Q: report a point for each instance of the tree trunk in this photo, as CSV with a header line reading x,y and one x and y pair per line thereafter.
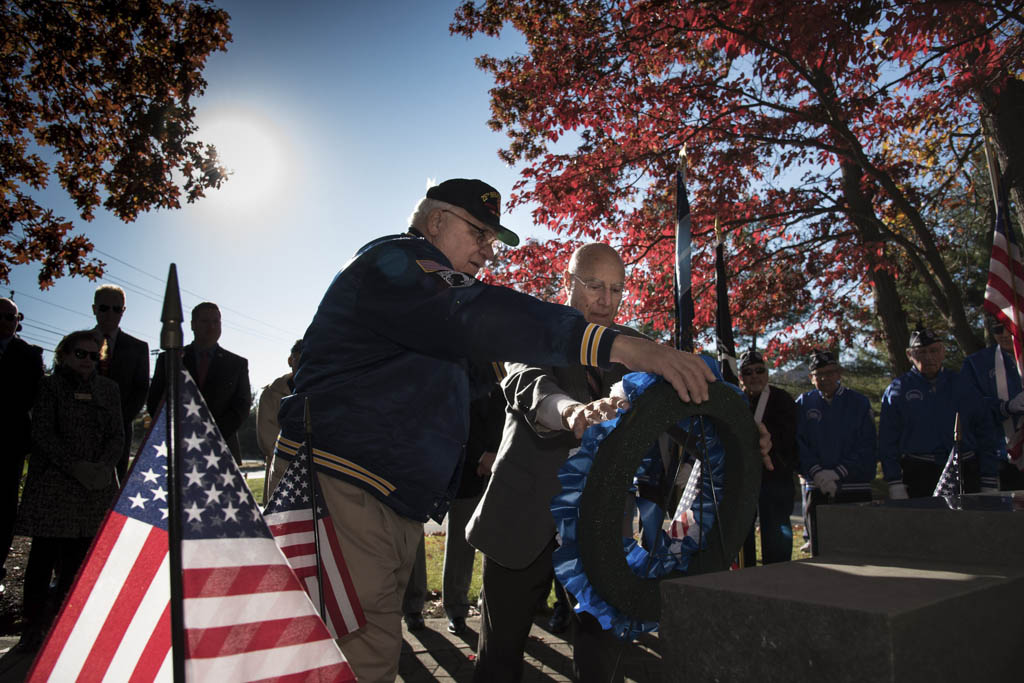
x,y
929,262
1003,112
888,306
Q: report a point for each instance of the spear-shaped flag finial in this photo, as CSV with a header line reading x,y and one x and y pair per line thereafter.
x,y
171,336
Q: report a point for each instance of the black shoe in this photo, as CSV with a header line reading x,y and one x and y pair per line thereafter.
x,y
559,621
457,625
415,622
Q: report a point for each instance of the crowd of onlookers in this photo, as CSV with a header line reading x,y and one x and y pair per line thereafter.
x,y
75,424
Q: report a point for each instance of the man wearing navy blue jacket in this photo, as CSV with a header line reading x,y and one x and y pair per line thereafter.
x,y
915,432
384,366
993,372
836,440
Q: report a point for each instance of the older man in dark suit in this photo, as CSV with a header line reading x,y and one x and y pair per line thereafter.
x,y
222,376
21,366
123,358
512,526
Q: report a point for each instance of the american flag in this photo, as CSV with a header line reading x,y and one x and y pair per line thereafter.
x,y
290,518
247,617
683,520
1002,299
949,480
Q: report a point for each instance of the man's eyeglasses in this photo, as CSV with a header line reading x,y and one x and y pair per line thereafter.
x,y
597,286
483,237
82,354
11,317
103,308
747,372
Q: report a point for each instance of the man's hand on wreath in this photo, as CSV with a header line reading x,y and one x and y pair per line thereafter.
x,y
579,416
686,372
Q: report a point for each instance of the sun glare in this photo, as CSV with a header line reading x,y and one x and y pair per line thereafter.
x,y
253,152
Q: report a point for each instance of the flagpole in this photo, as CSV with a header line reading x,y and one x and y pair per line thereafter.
x,y
172,341
316,515
683,270
723,318
956,454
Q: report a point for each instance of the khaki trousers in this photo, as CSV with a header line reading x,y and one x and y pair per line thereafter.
x,y
379,547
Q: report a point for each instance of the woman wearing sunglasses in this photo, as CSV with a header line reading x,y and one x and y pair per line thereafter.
x,y
77,435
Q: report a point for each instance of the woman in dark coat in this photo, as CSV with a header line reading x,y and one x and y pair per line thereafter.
x,y
77,434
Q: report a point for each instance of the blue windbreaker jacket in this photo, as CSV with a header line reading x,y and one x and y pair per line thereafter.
x,y
980,369
837,435
385,367
917,420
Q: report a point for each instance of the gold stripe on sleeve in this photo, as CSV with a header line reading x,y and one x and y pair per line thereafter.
x,y
595,344
585,344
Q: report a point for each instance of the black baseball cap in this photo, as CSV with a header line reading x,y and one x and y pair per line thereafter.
x,y
750,357
481,200
820,359
922,336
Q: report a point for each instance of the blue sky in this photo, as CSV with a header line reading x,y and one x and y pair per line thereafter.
x,y
335,116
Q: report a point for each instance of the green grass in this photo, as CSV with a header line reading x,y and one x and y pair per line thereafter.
x,y
435,561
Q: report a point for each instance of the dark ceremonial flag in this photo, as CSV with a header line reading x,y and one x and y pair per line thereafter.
x,y
723,318
683,273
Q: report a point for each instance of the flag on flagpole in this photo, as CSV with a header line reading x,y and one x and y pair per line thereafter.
x,y
1003,300
683,523
949,480
247,617
289,515
683,274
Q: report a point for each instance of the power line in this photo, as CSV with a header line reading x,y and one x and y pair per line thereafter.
x,y
142,335
50,303
36,340
41,328
138,289
188,291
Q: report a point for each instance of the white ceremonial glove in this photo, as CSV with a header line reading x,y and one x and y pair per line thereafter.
x,y
821,476
1015,406
898,491
826,480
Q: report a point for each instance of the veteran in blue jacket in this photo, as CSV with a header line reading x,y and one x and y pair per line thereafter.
x,y
915,431
384,366
835,438
993,372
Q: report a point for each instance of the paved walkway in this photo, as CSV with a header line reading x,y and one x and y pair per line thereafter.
x,y
433,654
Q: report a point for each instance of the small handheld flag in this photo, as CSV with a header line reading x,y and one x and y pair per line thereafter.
x,y
290,517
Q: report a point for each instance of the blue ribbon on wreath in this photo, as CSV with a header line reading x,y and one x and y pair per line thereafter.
x,y
662,554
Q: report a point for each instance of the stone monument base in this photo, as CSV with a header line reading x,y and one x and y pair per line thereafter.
x,y
946,604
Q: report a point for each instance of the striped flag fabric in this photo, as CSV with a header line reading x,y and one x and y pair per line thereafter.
x,y
247,617
1003,299
289,515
